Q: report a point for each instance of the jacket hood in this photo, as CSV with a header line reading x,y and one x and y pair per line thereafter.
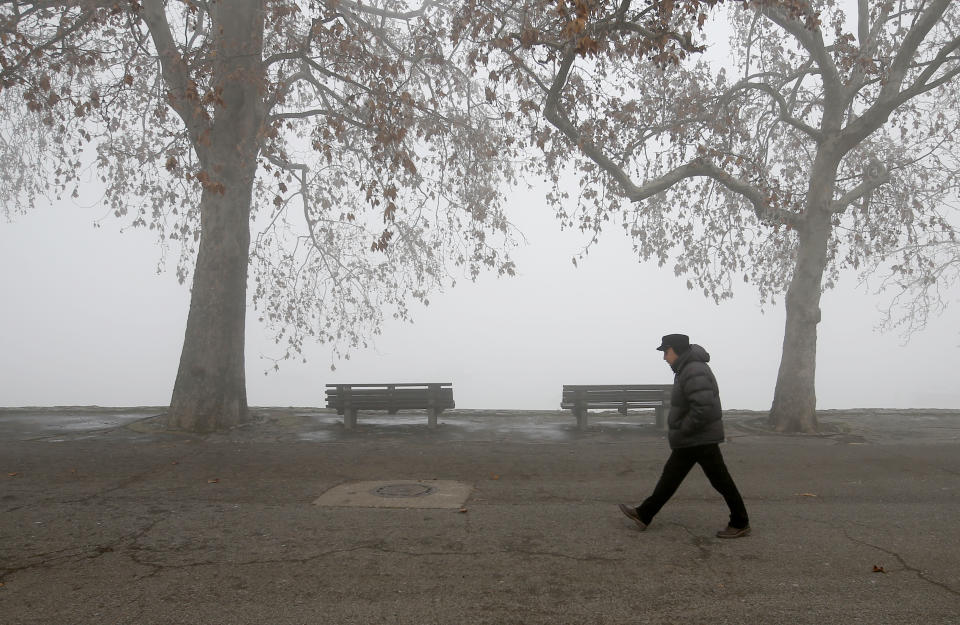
x,y
696,353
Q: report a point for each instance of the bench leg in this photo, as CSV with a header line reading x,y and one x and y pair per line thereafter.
x,y
432,417
581,418
350,419
661,413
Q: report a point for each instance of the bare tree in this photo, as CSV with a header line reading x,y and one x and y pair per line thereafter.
x,y
343,131
829,141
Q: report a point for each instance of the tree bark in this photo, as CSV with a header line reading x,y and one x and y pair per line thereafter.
x,y
210,389
794,406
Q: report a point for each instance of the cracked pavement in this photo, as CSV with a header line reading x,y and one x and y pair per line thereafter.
x,y
107,518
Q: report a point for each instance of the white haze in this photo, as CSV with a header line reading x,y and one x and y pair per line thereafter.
x,y
87,320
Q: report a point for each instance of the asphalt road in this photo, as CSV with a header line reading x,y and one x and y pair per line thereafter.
x,y
105,518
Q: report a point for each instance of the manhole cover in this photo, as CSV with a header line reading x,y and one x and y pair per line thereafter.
x,y
402,490
397,494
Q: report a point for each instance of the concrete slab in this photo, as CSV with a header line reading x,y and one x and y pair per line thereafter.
x,y
397,494
61,423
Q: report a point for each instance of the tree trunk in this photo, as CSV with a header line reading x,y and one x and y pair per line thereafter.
x,y
210,390
795,399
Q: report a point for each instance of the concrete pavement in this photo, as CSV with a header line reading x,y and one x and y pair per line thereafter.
x,y
107,518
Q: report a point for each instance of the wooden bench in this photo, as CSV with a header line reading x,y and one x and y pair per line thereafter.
x,y
350,398
583,397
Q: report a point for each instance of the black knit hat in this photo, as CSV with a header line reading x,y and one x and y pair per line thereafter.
x,y
679,342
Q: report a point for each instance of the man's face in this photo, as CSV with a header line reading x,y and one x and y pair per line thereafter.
x,y
670,356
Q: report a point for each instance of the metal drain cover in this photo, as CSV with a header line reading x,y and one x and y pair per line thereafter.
x,y
405,489
397,494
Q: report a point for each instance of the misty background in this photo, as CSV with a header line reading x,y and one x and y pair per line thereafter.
x,y
87,320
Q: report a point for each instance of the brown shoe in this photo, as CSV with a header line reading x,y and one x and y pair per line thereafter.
x,y
632,513
734,532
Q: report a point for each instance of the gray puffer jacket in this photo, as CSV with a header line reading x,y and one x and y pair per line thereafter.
x,y
695,412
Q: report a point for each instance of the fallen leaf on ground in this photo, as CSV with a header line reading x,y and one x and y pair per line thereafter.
x,y
14,474
805,494
213,481
878,569
462,510
174,462
494,477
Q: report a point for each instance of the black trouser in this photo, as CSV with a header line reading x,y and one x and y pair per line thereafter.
x,y
678,465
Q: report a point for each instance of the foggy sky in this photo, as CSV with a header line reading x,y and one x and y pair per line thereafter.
x,y
86,320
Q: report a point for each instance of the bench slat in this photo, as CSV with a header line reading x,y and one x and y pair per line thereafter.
x,y
640,387
385,392
385,397
399,384
394,397
614,404
615,395
385,400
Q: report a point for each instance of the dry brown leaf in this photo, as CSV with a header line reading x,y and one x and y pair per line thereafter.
x,y
462,511
878,569
494,477
805,495
213,481
14,474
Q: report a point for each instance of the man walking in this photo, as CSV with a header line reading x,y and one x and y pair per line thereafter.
x,y
695,433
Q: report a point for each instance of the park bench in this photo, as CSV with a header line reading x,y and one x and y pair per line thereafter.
x,y
583,397
347,399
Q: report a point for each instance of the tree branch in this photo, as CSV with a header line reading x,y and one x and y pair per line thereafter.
x,y
9,71
396,15
785,116
891,95
863,22
812,41
307,114
697,168
174,70
864,189
908,49
920,85
703,168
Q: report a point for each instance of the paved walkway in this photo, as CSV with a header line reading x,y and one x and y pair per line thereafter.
x,y
107,519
